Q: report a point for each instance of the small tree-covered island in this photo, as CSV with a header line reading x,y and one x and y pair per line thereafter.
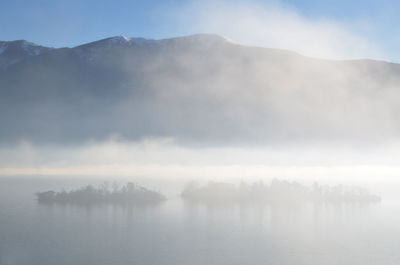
x,y
278,191
129,193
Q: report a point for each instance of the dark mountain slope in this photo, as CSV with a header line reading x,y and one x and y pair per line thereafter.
x,y
200,89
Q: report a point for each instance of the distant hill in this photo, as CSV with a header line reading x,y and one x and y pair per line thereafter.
x,y
195,89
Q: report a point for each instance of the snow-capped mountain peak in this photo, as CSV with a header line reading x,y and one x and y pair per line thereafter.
x,y
119,40
12,52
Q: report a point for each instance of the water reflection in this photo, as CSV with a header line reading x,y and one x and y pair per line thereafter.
x,y
181,231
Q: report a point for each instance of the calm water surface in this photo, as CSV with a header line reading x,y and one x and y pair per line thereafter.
x,y
180,233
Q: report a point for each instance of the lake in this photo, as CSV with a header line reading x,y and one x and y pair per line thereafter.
x,y
178,232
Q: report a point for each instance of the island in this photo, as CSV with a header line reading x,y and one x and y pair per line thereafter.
x,y
129,193
278,191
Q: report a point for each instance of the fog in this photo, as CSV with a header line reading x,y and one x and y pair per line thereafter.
x,y
199,90
164,160
278,25
268,140
222,230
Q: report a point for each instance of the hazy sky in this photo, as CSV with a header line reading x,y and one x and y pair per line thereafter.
x,y
364,24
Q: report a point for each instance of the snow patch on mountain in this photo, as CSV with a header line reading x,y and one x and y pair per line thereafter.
x,y
92,50
3,46
31,49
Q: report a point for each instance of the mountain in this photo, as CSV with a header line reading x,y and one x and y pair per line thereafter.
x,y
200,89
12,52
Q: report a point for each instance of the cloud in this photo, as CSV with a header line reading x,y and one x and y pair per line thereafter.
x,y
163,159
278,26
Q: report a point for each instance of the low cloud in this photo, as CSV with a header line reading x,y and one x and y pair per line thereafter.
x,y
275,25
163,159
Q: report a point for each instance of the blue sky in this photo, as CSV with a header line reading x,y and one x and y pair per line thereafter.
x,y
61,23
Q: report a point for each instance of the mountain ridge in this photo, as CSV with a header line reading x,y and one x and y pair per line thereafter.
x,y
200,88
120,39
